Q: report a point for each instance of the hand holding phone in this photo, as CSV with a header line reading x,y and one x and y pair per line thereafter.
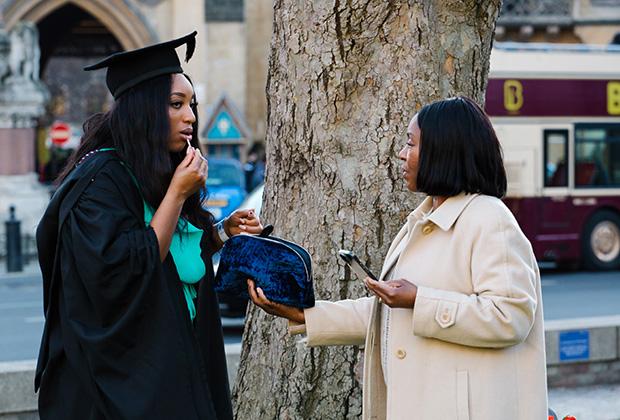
x,y
356,265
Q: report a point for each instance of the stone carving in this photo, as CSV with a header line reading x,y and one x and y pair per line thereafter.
x,y
25,53
5,50
22,94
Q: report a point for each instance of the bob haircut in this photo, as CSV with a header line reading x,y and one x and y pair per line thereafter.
x,y
459,150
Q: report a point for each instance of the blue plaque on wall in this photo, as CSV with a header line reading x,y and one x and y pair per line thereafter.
x,y
574,345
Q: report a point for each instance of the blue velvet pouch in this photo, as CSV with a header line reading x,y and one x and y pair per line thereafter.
x,y
281,268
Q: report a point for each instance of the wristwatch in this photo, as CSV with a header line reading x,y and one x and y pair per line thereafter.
x,y
221,232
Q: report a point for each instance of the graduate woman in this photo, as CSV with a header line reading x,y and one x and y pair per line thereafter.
x,y
132,327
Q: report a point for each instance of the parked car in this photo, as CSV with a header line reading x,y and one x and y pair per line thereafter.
x,y
232,308
225,187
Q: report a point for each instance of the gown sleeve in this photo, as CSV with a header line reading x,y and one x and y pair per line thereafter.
x,y
118,310
109,252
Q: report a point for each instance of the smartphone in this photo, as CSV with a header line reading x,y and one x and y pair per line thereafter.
x,y
356,265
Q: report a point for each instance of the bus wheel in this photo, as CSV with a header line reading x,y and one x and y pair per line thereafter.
x,y
601,241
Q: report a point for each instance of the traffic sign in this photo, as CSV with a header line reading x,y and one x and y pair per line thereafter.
x,y
60,133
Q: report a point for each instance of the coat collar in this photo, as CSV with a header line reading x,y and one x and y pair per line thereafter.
x,y
445,215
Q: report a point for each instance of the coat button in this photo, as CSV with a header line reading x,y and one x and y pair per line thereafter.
x,y
400,353
427,229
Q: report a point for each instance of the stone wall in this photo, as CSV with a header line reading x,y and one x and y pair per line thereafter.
x,y
583,351
17,398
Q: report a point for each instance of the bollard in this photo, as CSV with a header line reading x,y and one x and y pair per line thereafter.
x,y
13,243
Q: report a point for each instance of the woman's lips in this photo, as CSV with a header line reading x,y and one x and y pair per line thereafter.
x,y
186,137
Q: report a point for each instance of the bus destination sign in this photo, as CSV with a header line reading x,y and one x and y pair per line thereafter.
x,y
551,98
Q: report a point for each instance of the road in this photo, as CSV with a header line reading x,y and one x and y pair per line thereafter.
x,y
565,295
580,294
21,319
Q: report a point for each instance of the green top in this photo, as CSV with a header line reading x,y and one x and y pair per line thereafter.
x,y
185,250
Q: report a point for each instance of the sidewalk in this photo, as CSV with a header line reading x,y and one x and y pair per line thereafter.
x,y
31,273
587,403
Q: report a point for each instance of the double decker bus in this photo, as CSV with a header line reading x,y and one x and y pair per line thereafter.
x,y
556,111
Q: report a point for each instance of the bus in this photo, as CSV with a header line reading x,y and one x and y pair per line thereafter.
x,y
556,111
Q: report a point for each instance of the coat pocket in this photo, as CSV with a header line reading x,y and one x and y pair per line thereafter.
x,y
462,395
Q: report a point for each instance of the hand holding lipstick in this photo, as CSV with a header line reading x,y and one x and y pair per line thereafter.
x,y
190,175
195,149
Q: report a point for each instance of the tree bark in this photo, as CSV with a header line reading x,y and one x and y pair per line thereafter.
x,y
345,78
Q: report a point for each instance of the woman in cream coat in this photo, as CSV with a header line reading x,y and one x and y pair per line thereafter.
x,y
455,327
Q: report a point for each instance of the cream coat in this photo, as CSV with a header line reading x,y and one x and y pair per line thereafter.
x,y
473,345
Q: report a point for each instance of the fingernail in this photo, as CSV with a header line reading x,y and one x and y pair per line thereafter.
x,y
242,227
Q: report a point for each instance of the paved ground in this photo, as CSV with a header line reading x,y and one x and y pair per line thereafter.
x,y
587,403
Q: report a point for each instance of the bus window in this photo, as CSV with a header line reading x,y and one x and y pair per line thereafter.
x,y
597,155
555,155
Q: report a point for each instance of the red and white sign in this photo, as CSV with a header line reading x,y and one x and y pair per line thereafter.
x,y
60,133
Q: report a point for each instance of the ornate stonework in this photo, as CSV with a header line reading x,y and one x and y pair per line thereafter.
x,y
121,17
22,95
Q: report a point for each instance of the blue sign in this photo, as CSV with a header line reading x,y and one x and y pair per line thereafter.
x,y
574,345
224,128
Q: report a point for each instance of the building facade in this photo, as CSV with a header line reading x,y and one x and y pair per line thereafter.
x,y
230,62
559,21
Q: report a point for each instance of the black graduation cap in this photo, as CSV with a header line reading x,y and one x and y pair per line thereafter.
x,y
127,69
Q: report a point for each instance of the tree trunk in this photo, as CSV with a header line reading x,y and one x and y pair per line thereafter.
x,y
345,78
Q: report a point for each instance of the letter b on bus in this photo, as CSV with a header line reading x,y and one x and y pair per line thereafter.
x,y
613,98
513,95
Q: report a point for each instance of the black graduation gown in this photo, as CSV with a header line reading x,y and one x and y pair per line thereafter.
x,y
118,342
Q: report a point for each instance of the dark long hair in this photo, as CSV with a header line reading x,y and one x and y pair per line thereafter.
x,y
459,150
138,127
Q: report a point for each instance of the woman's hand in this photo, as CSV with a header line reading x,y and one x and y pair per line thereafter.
x,y
190,175
289,312
394,293
243,221
188,178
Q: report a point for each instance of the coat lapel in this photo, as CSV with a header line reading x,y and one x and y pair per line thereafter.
x,y
402,238
392,257
444,217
